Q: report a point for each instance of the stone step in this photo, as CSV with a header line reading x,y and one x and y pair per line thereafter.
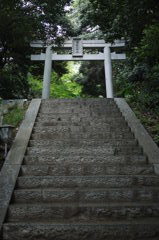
x,y
81,212
121,124
82,143
76,119
87,115
80,110
84,170
98,133
50,159
147,229
82,151
80,129
78,101
91,135
102,195
80,105
109,181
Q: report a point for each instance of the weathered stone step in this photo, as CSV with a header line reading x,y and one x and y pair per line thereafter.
x,y
85,135
81,114
82,143
109,181
82,151
79,101
81,212
121,230
76,105
79,105
50,159
76,119
81,129
79,110
79,134
105,195
83,169
121,124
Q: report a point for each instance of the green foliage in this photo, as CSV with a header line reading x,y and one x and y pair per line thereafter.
x,y
61,86
92,78
14,117
20,23
36,86
149,46
13,83
120,19
80,16
150,121
140,87
65,87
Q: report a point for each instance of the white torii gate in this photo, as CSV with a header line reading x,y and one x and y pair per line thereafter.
x,y
78,45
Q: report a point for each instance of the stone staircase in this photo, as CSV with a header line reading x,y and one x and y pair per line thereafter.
x,y
83,177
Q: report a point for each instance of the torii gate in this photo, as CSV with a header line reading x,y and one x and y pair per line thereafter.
x,y
78,45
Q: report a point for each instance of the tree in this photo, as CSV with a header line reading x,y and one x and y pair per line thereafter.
x,y
92,78
136,22
20,23
117,19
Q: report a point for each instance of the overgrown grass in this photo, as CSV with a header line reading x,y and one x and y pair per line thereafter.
x,y
14,116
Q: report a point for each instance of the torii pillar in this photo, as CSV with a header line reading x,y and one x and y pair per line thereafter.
x,y
47,73
108,72
48,68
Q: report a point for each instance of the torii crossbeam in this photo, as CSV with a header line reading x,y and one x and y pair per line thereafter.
x,y
78,45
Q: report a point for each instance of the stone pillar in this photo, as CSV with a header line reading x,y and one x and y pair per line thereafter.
x,y
108,72
47,73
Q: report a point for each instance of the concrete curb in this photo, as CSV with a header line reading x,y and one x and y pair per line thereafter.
x,y
11,167
145,141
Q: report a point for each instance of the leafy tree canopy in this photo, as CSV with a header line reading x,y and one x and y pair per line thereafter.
x,y
22,21
117,19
